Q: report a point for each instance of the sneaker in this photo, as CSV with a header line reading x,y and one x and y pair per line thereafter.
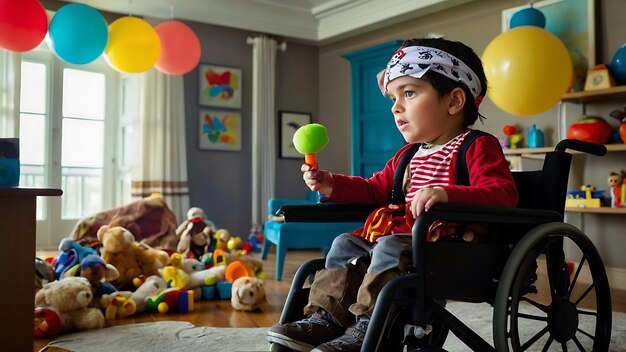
x,y
351,341
303,335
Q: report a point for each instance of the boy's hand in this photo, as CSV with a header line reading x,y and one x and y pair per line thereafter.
x,y
317,180
425,198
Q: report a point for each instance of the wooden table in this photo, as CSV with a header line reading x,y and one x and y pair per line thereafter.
x,y
17,264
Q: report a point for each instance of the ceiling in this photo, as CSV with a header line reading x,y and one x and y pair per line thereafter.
x,y
314,21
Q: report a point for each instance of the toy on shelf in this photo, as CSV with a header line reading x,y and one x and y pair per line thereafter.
x,y
535,137
69,298
513,137
617,188
620,115
195,233
586,197
593,129
309,140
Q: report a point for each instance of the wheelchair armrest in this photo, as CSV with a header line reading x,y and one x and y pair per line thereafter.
x,y
326,212
486,214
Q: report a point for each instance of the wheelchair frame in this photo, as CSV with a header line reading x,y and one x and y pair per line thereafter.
x,y
502,275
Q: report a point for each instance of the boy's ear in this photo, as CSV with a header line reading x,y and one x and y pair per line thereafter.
x,y
457,101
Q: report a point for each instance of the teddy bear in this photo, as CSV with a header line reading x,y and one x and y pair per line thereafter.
x,y
248,294
195,234
131,258
70,299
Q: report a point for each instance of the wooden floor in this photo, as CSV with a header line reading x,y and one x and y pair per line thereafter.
x,y
219,313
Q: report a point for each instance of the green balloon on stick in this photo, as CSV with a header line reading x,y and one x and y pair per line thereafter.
x,y
309,140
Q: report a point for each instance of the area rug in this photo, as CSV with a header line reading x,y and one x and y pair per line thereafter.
x,y
174,336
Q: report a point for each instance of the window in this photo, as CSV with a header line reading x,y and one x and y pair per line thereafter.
x,y
71,137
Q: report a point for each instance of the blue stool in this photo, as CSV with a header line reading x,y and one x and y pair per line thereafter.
x,y
299,235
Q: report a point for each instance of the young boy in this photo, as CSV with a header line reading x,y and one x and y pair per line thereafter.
x,y
436,86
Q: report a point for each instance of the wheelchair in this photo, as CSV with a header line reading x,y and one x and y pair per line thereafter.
x,y
572,310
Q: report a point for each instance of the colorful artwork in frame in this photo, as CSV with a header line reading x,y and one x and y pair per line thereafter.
x,y
219,86
572,21
219,130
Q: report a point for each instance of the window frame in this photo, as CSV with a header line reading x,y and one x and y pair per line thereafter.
x,y
52,228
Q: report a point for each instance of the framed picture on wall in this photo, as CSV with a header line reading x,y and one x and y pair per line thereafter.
x,y
219,86
573,22
289,123
219,130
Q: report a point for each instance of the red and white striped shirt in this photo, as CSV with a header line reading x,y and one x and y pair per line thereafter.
x,y
431,167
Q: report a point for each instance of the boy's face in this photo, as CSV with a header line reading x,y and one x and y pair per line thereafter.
x,y
420,114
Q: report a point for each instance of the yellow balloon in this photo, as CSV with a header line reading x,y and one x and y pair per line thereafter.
x,y
134,45
528,70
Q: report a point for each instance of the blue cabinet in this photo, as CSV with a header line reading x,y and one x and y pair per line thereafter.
x,y
375,137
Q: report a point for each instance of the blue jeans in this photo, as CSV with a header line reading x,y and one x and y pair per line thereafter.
x,y
355,272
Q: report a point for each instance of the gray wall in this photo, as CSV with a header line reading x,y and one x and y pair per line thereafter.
x,y
219,181
476,24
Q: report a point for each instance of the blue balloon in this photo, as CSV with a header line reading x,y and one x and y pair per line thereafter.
x,y
528,17
617,67
78,34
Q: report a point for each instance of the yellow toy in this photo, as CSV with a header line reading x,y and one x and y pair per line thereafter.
x,y
587,197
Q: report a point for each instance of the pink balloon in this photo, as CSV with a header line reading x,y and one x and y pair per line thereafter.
x,y
23,24
180,48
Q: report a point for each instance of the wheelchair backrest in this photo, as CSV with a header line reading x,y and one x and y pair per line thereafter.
x,y
545,189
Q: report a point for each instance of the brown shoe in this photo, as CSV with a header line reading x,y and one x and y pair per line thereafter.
x,y
303,335
351,341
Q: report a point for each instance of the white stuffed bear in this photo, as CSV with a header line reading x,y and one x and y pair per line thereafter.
x,y
248,293
70,297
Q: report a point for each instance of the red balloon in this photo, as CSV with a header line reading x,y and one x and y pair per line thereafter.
x,y
180,48
23,24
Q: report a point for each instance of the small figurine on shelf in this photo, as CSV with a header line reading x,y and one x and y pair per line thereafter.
x,y
617,185
514,138
535,137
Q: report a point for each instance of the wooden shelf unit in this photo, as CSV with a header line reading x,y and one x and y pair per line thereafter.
x,y
595,95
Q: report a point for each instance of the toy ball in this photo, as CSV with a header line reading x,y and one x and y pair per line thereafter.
x,y
78,34
180,48
528,17
617,67
23,24
528,69
593,129
134,46
310,139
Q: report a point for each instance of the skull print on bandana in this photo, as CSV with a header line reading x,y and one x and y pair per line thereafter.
x,y
415,61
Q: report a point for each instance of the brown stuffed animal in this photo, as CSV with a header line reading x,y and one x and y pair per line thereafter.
x,y
129,257
71,297
248,293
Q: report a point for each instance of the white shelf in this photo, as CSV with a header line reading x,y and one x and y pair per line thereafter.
x,y
601,210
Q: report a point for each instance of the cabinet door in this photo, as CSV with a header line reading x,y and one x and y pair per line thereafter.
x,y
375,137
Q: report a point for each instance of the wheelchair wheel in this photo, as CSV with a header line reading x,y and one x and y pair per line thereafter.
x,y
574,311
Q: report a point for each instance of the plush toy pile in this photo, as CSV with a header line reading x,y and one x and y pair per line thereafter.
x,y
118,276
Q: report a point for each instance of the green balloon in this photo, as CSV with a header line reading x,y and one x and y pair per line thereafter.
x,y
310,139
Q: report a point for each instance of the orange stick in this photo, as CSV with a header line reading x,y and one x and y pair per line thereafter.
x,y
311,159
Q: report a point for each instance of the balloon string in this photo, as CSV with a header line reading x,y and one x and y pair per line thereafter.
x,y
171,12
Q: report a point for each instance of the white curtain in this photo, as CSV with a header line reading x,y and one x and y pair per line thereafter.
x,y
263,124
10,75
160,154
